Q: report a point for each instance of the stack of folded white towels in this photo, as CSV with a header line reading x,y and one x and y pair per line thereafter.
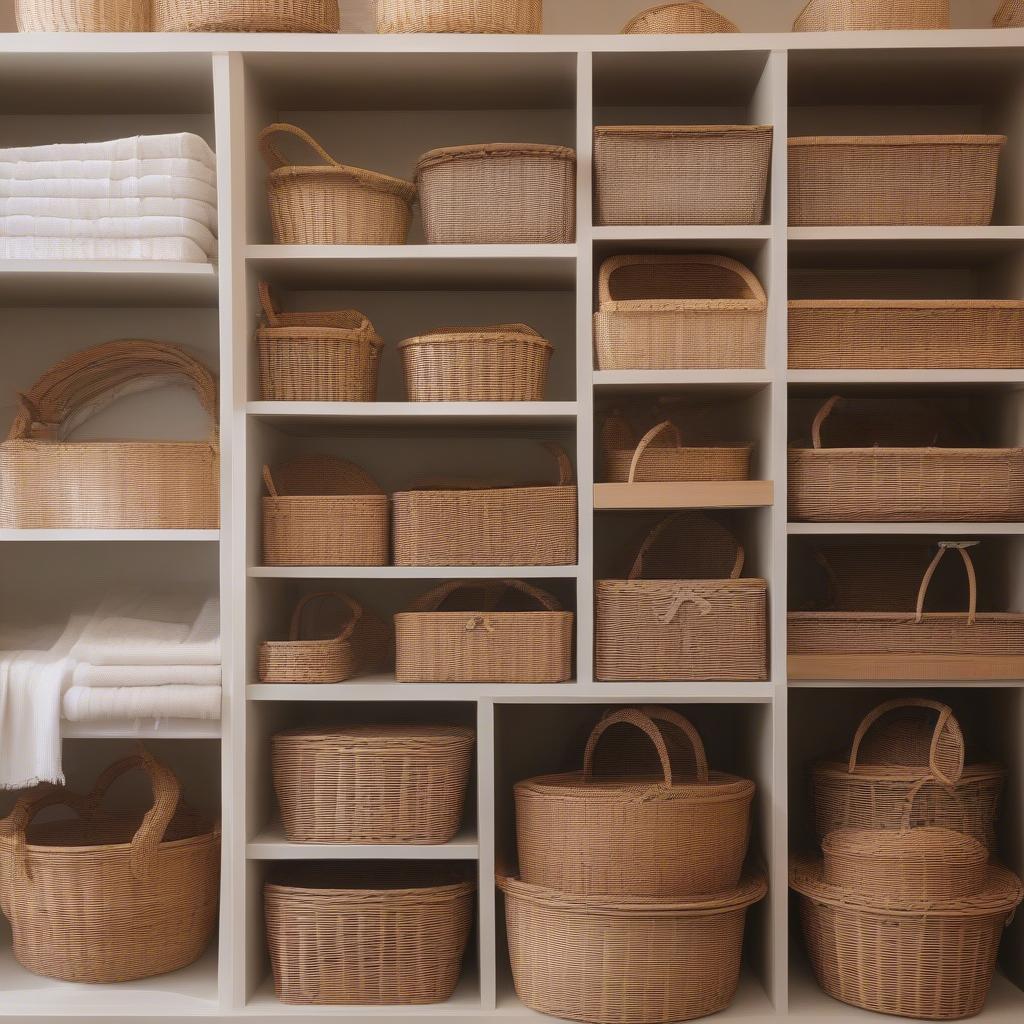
x,y
150,197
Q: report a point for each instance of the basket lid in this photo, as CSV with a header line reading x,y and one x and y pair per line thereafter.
x,y
898,140
385,736
481,151
676,131
495,334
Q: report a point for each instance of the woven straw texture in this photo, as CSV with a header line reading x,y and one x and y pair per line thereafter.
x,y
693,174
634,834
323,511
487,525
893,180
625,962
893,334
109,897
447,636
245,16
316,357
873,577
678,19
872,15
485,16
331,203
683,612
1010,14
503,363
678,313
511,192
390,934
47,481
83,15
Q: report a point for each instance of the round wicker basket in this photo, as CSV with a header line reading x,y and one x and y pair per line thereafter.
x,y
246,16
674,19
484,16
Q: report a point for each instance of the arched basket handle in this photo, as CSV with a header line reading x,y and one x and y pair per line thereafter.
x,y
666,426
354,608
660,528
972,579
272,155
432,600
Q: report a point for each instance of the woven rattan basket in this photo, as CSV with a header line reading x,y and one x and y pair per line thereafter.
x,y
633,834
50,482
683,612
503,363
485,16
83,15
367,935
448,637
330,203
245,16
679,313
672,19
872,15
109,897
849,181
1010,14
323,511
509,192
685,174
483,524
672,960
316,357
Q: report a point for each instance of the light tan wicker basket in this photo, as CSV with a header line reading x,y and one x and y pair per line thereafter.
x,y
679,313
442,639
683,612
245,16
83,15
671,19
372,783
893,180
108,896
50,482
509,192
323,511
681,174
367,935
631,834
1010,14
872,15
487,16
484,524
331,203
503,363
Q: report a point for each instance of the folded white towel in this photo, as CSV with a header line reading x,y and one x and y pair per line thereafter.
x,y
137,147
98,704
175,250
146,675
110,227
148,186
107,170
96,209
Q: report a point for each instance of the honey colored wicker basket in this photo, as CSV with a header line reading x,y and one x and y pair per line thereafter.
x,y
109,897
331,203
670,19
320,510
83,15
367,935
872,15
503,363
245,16
48,481
441,639
510,192
672,961
687,312
683,612
681,174
893,180
485,16
632,834
1010,14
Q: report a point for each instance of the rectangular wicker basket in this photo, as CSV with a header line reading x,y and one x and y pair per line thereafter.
x,y
872,15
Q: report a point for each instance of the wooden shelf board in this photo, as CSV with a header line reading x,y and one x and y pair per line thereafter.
x,y
271,844
109,535
412,572
683,233
919,667
143,728
653,380
921,529
427,413
730,494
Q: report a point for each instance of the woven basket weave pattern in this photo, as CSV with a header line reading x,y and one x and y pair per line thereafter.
x,y
485,16
678,18
1010,14
245,16
83,15
872,15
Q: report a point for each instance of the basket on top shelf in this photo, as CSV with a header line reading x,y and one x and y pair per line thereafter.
x,y
679,312
484,16
1010,14
109,896
331,203
872,15
50,482
246,16
678,18
83,15
446,636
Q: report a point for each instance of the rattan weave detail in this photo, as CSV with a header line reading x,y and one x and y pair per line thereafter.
x,y
484,16
872,15
678,18
1010,14
245,16
83,15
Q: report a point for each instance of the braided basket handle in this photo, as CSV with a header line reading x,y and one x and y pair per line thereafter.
x,y
432,600
972,579
666,426
268,479
272,155
660,528
352,607
822,415
267,304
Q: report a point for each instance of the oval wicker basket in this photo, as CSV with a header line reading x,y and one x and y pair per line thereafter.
x,y
1010,14
323,511
480,642
246,16
371,935
671,19
485,16
503,363
508,192
83,15
681,174
331,203
872,15
109,897
679,313
631,833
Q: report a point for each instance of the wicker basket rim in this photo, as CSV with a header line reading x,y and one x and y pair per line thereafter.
x,y
918,452
365,894
725,583
118,446
681,130
899,774
800,304
527,490
685,450
381,735
658,8
636,788
506,617
484,150
477,336
926,842
321,333
211,833
371,179
683,306
907,616
898,140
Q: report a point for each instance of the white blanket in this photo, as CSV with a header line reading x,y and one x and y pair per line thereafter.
x,y
99,704
110,227
106,170
176,249
97,209
146,675
137,147
148,186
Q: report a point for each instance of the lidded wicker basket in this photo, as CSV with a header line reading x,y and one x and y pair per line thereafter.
x,y
485,16
685,18
331,203
1010,14
83,15
872,15
246,16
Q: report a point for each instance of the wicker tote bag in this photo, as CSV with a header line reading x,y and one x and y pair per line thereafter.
x,y
676,19
83,15
109,897
1010,14
245,16
872,15
484,16
48,481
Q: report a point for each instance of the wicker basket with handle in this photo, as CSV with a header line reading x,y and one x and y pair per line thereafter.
x,y
1009,14
872,15
485,16
246,16
83,15
674,19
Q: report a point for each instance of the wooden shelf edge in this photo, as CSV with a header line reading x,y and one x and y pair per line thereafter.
x,y
726,494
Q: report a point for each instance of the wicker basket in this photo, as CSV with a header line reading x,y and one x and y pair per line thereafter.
x,y
916,334
1009,15
360,642
485,16
109,897
623,961
884,484
508,192
683,612
872,15
330,203
367,935
504,363
881,577
687,174
323,511
850,181
441,640
679,313
48,482
632,834
316,357
245,16
483,524
83,15
673,19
